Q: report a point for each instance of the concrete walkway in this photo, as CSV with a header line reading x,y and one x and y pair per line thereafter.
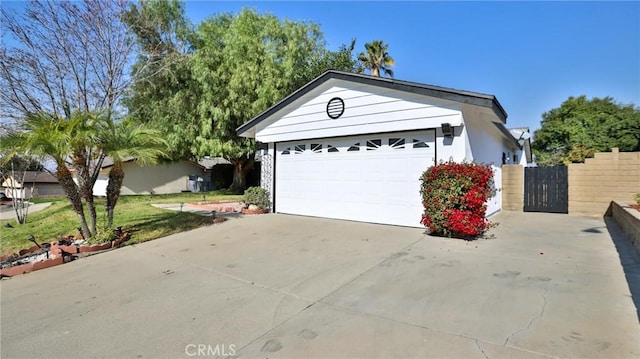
x,y
282,286
7,212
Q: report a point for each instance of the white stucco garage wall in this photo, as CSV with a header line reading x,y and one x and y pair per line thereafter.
x,y
487,145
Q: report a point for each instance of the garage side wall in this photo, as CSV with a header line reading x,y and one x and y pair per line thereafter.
x,y
487,146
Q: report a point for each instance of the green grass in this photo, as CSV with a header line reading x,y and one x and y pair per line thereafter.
x,y
134,213
187,197
48,199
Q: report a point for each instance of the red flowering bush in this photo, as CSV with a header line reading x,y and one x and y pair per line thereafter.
x,y
454,197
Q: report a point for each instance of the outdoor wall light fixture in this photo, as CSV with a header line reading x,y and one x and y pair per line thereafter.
x,y
31,238
447,130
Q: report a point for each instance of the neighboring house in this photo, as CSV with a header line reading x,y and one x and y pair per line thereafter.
x,y
353,147
174,177
34,184
523,136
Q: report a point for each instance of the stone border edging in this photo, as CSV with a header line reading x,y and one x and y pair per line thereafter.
x,y
58,254
628,219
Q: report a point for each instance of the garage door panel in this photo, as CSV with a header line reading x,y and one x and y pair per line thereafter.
x,y
378,183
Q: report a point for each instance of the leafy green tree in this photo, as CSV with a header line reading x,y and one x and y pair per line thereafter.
x,y
245,64
164,93
341,60
205,83
581,126
376,59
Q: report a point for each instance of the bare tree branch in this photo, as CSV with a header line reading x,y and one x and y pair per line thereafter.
x,y
65,57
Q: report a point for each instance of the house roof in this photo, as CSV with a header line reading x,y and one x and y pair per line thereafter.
x,y
467,97
209,162
523,138
108,162
38,177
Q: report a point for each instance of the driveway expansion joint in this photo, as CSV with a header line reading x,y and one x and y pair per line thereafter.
x,y
481,350
544,305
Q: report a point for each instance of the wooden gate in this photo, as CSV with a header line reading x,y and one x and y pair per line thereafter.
x,y
546,189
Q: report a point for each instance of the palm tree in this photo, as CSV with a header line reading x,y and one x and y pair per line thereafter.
x,y
49,136
376,58
123,141
86,158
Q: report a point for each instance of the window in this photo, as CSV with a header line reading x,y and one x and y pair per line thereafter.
x,y
419,144
396,143
286,151
355,147
373,144
316,148
331,148
299,149
515,158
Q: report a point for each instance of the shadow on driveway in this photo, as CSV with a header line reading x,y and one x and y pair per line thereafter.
x,y
629,259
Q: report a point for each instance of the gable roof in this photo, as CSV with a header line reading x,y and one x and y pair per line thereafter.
x,y
108,162
36,177
467,97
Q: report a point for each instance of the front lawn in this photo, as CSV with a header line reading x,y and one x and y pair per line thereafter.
x,y
135,214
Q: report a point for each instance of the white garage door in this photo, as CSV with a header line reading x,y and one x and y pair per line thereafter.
x,y
372,178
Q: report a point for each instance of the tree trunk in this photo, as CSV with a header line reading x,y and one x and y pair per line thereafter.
x,y
116,178
71,191
92,211
241,166
18,197
86,189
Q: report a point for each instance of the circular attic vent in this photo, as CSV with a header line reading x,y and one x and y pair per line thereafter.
x,y
335,107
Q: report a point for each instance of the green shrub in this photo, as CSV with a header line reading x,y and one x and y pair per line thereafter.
x,y
638,198
454,197
257,196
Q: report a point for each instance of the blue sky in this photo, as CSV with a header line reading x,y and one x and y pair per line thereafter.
x,y
531,55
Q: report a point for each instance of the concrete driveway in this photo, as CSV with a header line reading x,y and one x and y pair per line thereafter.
x,y
8,212
282,286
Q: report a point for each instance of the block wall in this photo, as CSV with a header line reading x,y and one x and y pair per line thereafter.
x,y
609,176
512,187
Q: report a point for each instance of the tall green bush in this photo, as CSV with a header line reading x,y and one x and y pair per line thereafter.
x,y
454,197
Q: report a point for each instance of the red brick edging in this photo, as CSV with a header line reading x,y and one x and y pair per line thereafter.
x,y
57,255
254,211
